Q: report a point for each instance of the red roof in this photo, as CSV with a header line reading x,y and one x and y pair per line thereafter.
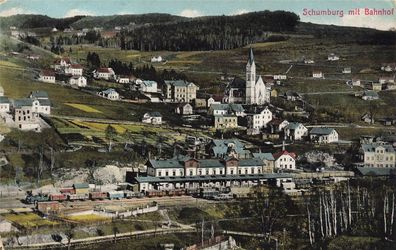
x,y
284,152
104,70
66,59
76,66
276,121
217,98
47,72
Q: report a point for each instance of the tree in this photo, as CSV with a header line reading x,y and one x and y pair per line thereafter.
x,y
111,133
128,135
115,232
69,234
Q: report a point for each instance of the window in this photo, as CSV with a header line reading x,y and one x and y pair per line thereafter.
x,y
232,171
191,173
166,173
221,171
174,173
159,173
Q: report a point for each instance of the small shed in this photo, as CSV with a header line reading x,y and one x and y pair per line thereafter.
x,y
81,188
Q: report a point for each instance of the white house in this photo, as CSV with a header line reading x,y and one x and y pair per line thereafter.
x,y
47,76
4,104
62,63
378,155
260,120
79,81
110,94
355,82
295,131
347,70
226,109
104,73
184,109
74,70
369,95
156,59
323,135
123,79
285,160
317,74
333,57
211,101
148,86
152,118
279,77
309,61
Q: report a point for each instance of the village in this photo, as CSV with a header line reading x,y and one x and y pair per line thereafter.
x,y
169,141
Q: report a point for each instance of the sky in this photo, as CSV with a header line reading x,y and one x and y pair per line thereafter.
x,y
193,8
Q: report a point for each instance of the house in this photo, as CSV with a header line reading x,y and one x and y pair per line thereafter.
x,y
110,94
47,76
184,109
317,74
333,57
213,100
259,120
152,118
277,125
74,70
180,90
355,82
156,59
274,93
39,94
378,155
268,161
280,77
323,135
4,104
123,79
199,103
367,118
225,121
79,81
376,86
309,61
33,57
292,96
26,111
388,67
104,73
62,63
54,29
347,70
386,79
295,131
369,95
222,148
148,86
226,109
285,160
81,188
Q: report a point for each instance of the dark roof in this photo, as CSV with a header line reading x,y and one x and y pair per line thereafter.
x,y
371,147
154,114
24,102
321,131
80,185
4,99
39,94
104,70
237,83
369,171
264,156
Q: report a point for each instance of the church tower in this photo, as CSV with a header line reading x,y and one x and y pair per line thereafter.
x,y
250,78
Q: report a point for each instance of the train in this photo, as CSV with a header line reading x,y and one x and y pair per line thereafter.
x,y
67,194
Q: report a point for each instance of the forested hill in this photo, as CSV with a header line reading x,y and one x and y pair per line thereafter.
x,y
148,32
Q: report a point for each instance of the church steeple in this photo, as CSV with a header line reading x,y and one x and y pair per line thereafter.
x,y
251,56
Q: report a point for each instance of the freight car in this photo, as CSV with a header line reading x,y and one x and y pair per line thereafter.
x,y
155,193
115,195
97,195
176,192
67,191
77,197
57,197
130,195
208,193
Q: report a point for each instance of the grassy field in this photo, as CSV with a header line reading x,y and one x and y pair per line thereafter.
x,y
83,107
90,218
29,220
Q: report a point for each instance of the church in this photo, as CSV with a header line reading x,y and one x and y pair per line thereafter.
x,y
252,90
